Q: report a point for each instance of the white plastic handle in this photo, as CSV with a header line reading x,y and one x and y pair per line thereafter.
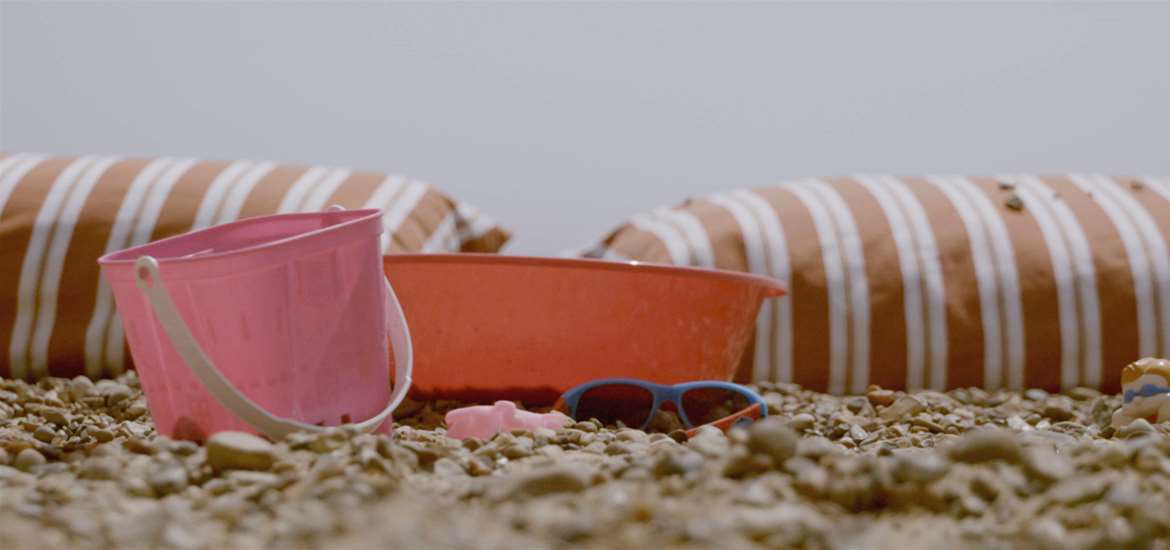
x,y
146,275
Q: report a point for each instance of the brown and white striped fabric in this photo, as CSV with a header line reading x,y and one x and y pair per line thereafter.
x,y
59,214
935,282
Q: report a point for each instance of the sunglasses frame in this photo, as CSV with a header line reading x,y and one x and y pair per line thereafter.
x,y
663,393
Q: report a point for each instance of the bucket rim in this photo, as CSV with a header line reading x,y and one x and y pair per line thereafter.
x,y
772,287
359,216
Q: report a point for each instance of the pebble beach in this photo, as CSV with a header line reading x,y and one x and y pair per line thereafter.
x,y
81,467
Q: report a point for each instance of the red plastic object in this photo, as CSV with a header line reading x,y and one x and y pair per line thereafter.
x,y
489,327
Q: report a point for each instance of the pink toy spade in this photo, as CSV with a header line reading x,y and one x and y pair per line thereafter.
x,y
484,421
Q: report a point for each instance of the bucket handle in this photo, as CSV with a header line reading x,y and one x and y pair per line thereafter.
x,y
146,276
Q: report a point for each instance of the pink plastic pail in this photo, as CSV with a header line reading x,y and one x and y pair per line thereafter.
x,y
270,324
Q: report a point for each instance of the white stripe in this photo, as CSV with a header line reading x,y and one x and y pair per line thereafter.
x,y
380,197
1086,275
238,194
675,244
160,189
296,193
985,277
1064,275
858,281
693,233
834,281
123,221
1139,263
16,166
932,273
777,247
1009,283
477,223
913,313
316,200
215,193
55,263
399,207
1156,247
754,253
31,267
443,236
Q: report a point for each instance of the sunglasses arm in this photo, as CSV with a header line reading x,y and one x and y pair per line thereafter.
x,y
725,423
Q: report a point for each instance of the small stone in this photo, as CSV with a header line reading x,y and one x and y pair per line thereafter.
x,y
28,459
81,387
773,438
4,458
802,422
56,416
904,406
680,462
100,467
102,435
1058,411
1046,465
230,450
1036,394
1014,202
1137,428
134,411
45,434
919,466
857,433
986,445
567,478
168,479
879,397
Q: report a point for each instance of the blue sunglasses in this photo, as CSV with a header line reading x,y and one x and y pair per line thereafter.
x,y
634,402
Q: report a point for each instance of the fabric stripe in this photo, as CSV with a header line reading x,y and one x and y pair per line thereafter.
x,y
1063,271
214,195
1084,271
50,282
1139,263
18,359
123,222
675,243
380,198
296,194
698,244
915,316
238,194
147,223
1155,245
778,267
753,241
985,274
396,211
932,275
444,235
12,170
1009,284
851,249
316,200
835,282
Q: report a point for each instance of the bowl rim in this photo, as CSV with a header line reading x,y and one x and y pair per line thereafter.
x,y
772,287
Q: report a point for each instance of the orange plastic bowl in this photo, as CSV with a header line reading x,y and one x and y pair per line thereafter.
x,y
487,326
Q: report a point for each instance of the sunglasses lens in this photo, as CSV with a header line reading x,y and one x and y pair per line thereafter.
x,y
705,405
613,402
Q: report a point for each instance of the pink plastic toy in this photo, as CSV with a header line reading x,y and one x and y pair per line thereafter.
x,y
272,324
484,421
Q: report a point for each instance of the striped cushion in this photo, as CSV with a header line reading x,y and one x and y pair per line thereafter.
x,y
59,214
936,282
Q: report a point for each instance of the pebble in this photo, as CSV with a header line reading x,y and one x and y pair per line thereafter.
x,y
168,480
881,398
802,422
567,478
1137,428
28,459
680,462
773,438
904,406
986,445
239,451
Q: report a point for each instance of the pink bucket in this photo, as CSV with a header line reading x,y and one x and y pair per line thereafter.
x,y
271,324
